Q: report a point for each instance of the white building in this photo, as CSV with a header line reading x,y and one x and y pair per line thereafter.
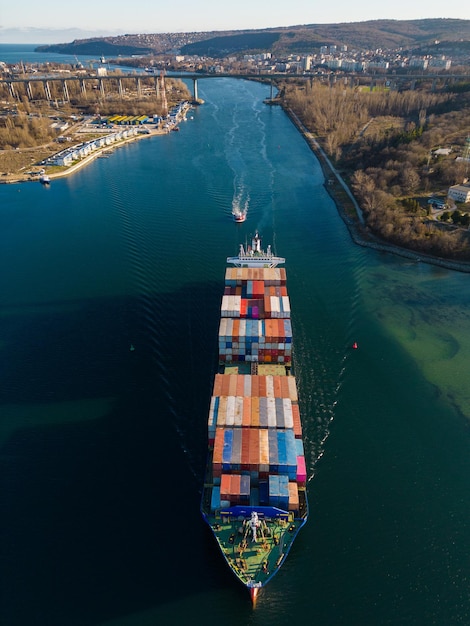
x,y
459,193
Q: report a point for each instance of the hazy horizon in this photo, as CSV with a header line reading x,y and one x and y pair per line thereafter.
x,y
44,22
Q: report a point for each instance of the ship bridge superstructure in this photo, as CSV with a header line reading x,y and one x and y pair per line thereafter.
x,y
255,256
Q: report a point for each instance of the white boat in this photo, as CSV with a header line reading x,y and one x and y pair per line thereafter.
x,y
44,179
238,216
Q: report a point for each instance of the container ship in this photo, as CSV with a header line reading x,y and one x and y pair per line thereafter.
x,y
254,496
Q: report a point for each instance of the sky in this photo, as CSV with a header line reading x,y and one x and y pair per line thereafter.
x,y
105,17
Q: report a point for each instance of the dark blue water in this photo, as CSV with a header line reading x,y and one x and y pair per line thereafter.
x,y
103,447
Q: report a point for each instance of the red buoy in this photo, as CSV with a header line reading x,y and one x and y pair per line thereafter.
x,y
355,346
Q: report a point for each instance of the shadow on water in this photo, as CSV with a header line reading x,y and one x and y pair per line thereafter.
x,y
103,515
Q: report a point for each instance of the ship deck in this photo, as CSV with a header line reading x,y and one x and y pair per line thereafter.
x,y
255,563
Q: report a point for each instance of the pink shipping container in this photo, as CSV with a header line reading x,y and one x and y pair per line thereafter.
x,y
301,471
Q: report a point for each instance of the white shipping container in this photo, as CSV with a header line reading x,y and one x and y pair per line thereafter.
x,y
269,386
230,419
271,404
275,307
288,418
238,411
286,306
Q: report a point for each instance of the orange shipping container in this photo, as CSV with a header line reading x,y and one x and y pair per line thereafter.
x,y
218,385
284,387
254,449
262,386
255,412
225,384
296,420
225,485
232,388
292,389
263,450
218,445
240,391
293,497
246,421
267,308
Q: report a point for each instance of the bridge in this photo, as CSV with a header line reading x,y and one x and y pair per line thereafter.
x,y
35,87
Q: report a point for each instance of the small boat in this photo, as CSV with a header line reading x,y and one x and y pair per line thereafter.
x,y
44,179
239,216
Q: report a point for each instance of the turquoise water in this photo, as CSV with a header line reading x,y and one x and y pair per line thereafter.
x,y
103,447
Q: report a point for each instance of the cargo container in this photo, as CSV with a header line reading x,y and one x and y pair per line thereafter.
x,y
254,495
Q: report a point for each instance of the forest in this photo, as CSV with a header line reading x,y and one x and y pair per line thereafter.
x,y
385,144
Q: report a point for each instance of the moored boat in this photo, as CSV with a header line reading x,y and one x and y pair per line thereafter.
x,y
44,179
254,496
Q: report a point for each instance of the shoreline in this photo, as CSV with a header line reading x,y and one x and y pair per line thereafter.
x,y
26,178
356,225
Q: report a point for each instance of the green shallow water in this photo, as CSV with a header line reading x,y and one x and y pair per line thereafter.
x,y
103,447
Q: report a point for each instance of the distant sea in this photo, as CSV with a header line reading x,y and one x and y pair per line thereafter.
x,y
15,53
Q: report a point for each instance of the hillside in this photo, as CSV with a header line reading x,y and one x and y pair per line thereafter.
x,y
385,34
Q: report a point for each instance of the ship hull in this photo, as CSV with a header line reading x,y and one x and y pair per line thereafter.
x,y
254,495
